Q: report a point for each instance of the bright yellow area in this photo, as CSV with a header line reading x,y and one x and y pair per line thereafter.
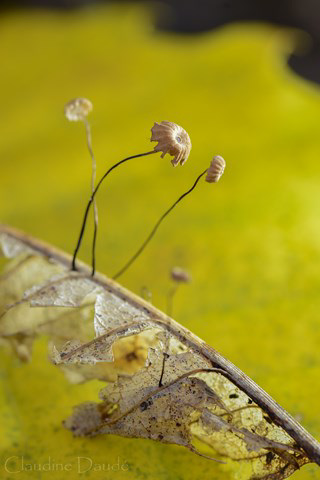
x,y
251,241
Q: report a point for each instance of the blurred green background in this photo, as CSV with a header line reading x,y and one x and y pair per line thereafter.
x,y
251,242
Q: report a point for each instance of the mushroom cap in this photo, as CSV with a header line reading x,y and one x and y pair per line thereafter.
x,y
216,169
180,275
172,139
77,109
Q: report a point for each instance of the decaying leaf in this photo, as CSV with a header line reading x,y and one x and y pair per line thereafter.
x,y
164,383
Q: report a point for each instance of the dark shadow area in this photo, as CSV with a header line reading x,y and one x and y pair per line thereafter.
x,y
196,16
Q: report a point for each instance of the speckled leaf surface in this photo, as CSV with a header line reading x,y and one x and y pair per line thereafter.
x,y
182,392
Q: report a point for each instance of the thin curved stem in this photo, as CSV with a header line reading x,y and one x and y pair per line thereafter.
x,y
155,228
93,249
165,356
170,296
95,206
73,264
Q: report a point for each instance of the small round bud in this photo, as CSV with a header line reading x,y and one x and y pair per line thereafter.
x,y
171,139
77,109
216,169
179,275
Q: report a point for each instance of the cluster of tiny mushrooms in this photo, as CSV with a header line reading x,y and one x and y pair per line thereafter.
x,y
171,139
174,140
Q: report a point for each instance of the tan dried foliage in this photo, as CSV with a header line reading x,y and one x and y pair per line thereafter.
x,y
98,330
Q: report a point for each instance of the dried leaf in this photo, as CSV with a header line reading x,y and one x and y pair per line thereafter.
x,y
165,384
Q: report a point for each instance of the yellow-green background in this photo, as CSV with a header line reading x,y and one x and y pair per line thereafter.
x,y
251,241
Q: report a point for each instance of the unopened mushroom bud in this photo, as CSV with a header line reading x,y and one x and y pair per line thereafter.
x,y
172,139
180,276
216,169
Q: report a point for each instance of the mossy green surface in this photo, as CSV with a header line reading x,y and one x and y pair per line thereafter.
x,y
251,241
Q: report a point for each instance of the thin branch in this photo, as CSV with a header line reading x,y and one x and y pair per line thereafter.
x,y
73,263
165,356
155,228
95,206
194,450
170,296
